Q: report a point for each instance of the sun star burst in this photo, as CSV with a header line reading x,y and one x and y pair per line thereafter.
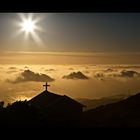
x,y
29,26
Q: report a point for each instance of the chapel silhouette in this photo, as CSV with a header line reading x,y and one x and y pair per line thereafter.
x,y
56,108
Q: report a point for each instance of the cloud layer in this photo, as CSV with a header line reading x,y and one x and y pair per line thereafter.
x,y
128,74
11,71
50,70
75,75
121,74
12,68
28,75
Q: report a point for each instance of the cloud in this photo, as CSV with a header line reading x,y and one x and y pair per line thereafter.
x,y
86,71
75,75
28,75
12,68
109,70
26,67
129,73
86,67
11,71
125,74
99,75
50,70
70,68
114,74
126,66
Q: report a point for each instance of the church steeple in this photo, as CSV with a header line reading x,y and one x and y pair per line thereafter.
x,y
46,85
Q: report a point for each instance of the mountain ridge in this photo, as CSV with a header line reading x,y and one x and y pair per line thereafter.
x,y
123,113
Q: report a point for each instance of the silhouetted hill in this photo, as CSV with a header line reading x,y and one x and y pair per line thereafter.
x,y
94,103
75,75
19,114
125,113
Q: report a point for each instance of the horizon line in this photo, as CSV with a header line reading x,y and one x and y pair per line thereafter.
x,y
67,53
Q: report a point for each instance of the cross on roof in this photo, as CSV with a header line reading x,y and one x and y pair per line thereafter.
x,y
46,85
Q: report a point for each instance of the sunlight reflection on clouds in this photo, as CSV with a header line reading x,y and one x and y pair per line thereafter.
x,y
104,80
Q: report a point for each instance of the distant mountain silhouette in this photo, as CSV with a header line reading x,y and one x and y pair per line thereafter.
x,y
94,103
28,75
125,113
75,75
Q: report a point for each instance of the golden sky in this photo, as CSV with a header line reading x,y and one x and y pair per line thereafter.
x,y
105,47
68,58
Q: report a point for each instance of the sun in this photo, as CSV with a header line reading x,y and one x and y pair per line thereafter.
x,y
29,26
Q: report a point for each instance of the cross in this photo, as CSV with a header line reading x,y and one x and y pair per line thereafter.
x,y
46,85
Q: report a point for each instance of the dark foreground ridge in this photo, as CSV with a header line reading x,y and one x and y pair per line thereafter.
x,y
51,110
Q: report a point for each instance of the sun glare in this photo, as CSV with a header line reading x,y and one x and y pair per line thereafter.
x,y
29,26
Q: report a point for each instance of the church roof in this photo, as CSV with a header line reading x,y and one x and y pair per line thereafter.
x,y
46,99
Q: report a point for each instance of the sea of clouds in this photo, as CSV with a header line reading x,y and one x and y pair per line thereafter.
x,y
77,81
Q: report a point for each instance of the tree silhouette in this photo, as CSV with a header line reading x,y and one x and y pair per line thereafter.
x,y
1,104
21,114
